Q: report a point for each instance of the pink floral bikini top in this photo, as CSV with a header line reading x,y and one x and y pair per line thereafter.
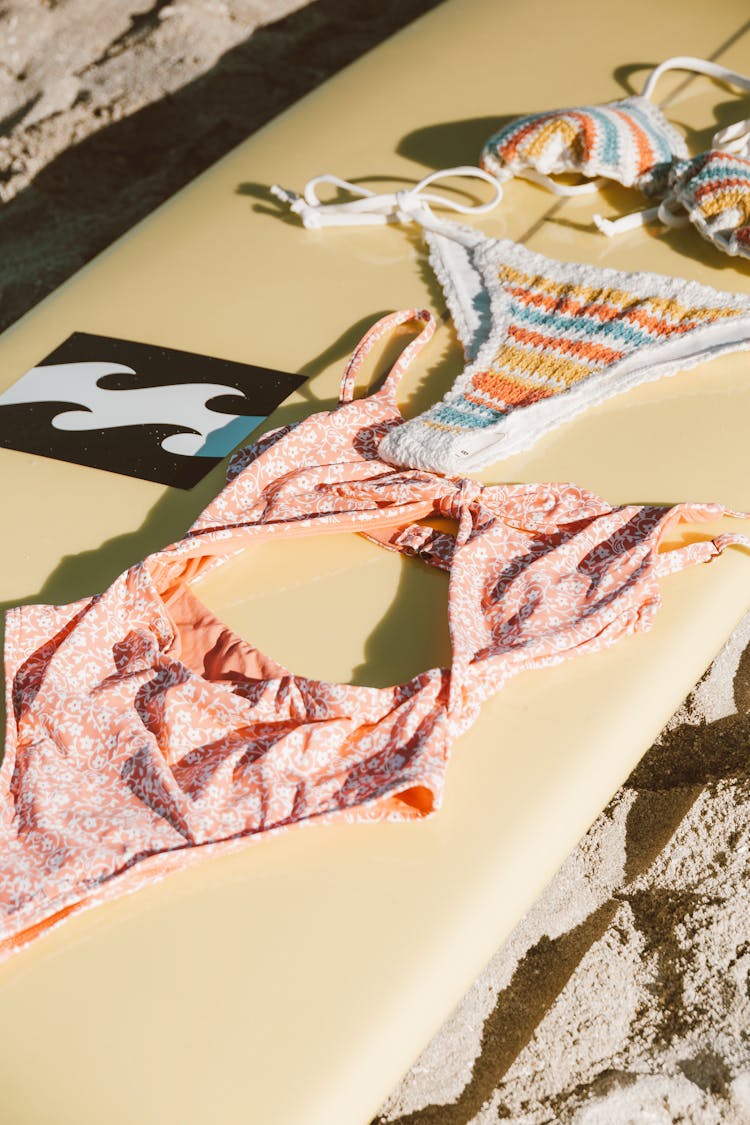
x,y
144,734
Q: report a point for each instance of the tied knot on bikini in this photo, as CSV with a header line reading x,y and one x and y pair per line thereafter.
x,y
370,208
464,495
448,496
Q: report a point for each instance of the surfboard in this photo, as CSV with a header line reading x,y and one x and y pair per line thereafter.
x,y
295,982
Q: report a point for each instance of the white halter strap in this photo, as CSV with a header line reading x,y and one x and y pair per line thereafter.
x,y
390,207
734,138
696,66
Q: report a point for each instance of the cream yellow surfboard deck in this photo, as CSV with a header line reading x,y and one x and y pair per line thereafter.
x,y
294,983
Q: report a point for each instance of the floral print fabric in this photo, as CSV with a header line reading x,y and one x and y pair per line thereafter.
x,y
143,734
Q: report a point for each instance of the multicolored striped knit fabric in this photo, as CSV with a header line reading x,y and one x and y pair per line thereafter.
x,y
556,339
560,333
629,140
714,191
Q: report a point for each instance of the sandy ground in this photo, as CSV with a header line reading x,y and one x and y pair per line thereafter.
x,y
624,995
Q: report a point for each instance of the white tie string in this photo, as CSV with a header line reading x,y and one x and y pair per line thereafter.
x,y
735,138
633,221
373,208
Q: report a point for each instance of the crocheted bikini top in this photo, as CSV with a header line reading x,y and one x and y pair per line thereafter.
x,y
629,141
144,734
632,142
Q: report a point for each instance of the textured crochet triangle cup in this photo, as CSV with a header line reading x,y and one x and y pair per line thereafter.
x,y
629,141
712,191
143,734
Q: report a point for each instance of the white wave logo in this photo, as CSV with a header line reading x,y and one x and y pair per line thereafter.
x,y
211,434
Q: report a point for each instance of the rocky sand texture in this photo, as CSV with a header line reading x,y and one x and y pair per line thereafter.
x,y
624,995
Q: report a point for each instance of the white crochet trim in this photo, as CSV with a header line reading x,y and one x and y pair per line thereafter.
x,y
470,306
476,265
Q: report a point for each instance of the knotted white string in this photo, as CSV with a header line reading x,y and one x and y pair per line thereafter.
x,y
373,208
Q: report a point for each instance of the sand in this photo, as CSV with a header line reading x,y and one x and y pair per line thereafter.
x,y
107,108
624,994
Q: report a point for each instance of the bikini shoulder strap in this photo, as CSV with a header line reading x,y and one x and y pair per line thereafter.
x,y
694,66
381,328
702,550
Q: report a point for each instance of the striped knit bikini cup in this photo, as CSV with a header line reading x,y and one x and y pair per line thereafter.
x,y
629,141
711,191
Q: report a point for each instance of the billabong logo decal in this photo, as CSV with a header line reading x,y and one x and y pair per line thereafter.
x,y
150,412
178,404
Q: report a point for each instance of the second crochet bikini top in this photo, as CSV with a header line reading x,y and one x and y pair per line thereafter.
x,y
143,733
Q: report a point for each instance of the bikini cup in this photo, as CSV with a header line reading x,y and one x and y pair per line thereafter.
x,y
628,140
711,191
